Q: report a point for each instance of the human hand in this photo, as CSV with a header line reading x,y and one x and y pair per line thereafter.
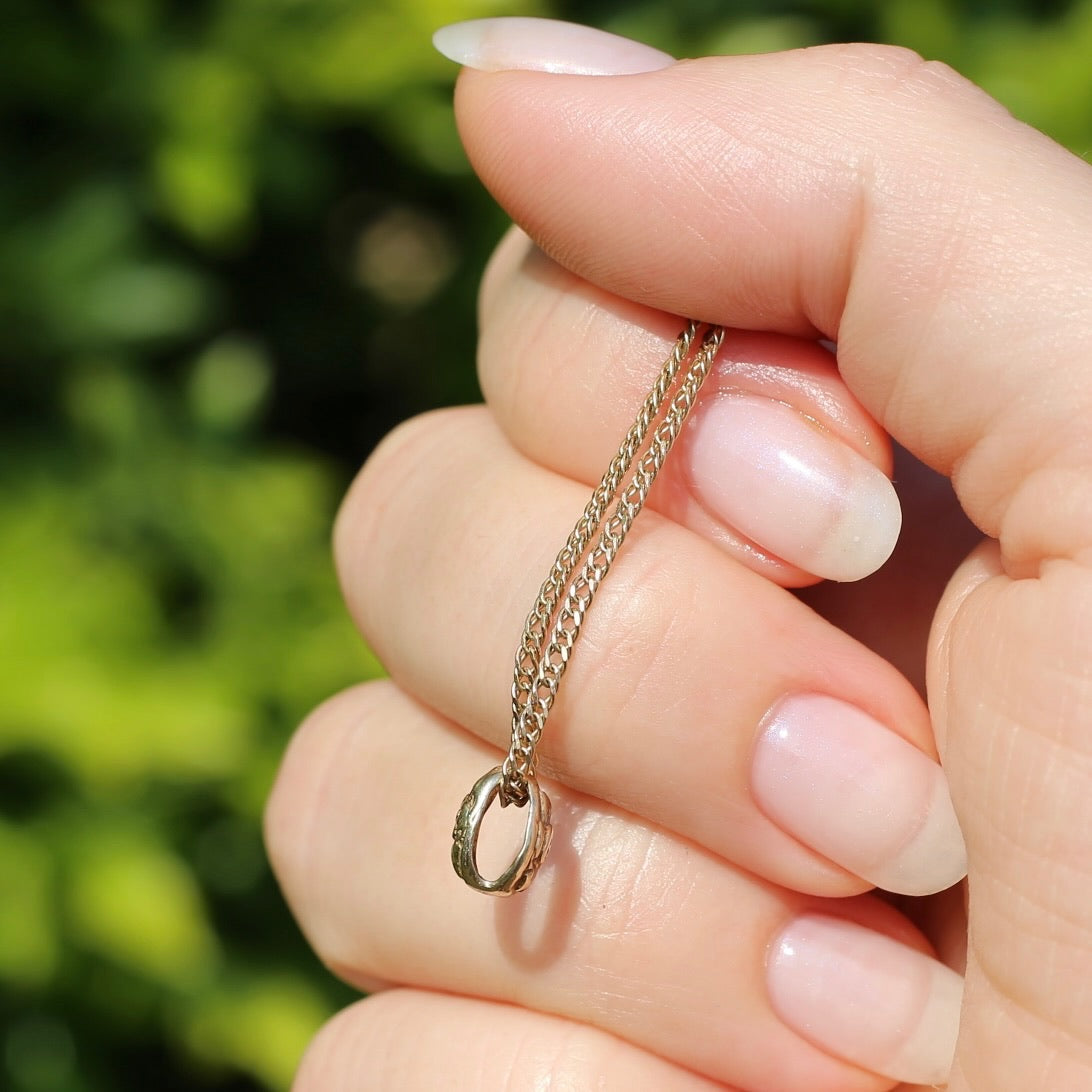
x,y
732,770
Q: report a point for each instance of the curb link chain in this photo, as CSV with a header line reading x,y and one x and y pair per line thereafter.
x,y
544,649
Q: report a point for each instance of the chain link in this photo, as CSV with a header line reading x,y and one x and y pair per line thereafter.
x,y
554,621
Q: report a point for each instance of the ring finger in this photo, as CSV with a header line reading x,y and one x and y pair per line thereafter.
x,y
628,928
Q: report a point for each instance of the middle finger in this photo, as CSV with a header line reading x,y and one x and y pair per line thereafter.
x,y
780,465
702,696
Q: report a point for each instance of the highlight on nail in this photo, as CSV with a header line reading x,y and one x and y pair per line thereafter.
x,y
866,998
545,45
845,784
793,487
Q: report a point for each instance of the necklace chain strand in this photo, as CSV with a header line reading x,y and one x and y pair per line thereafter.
x,y
554,622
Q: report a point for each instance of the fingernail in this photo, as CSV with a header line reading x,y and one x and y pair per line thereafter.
x,y
858,793
545,45
790,486
866,998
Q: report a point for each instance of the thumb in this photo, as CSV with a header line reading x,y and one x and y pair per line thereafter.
x,y
860,194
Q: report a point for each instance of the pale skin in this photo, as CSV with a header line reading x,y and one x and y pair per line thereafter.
x,y
849,194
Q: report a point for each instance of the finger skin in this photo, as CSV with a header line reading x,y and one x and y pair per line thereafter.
x,y
626,927
411,1039
447,532
854,191
1029,957
886,203
936,537
563,366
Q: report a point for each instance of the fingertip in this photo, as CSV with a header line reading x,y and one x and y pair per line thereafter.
x,y
782,480
867,998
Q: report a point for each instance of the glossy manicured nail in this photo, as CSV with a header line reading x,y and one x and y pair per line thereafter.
x,y
545,45
792,487
866,998
853,790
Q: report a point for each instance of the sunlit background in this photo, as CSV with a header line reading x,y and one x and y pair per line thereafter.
x,y
239,241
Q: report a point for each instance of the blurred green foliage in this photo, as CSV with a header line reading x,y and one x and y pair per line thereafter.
x,y
239,241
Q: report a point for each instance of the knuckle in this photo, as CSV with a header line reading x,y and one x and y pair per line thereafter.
x,y
354,1045
295,814
560,1056
410,1038
500,270
375,508
885,96
322,1067
873,60
865,68
905,79
378,480
523,327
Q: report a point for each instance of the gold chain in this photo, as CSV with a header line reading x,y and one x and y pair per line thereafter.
x,y
554,621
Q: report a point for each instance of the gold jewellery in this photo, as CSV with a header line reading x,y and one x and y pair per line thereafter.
x,y
554,622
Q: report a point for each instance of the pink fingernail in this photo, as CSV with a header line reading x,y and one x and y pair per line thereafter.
x,y
779,478
855,791
866,998
545,45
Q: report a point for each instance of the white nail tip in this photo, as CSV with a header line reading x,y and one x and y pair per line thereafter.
x,y
545,45
936,857
858,793
863,535
796,489
866,998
